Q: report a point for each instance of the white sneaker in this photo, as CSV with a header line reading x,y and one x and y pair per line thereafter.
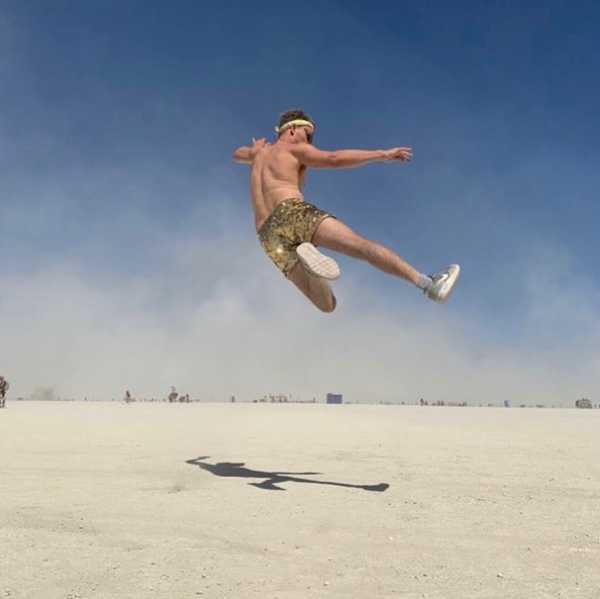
x,y
316,263
443,284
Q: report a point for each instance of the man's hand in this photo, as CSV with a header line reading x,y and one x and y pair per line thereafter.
x,y
259,144
245,155
397,154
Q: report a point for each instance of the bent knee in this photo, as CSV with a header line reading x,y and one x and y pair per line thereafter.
x,y
328,306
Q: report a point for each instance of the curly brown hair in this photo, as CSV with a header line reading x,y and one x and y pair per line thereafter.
x,y
292,115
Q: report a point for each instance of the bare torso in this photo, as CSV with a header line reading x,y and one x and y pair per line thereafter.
x,y
275,175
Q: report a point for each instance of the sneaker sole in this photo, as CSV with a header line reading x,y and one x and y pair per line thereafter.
x,y
448,286
316,263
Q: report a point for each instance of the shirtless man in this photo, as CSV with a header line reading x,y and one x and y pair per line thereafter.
x,y
289,228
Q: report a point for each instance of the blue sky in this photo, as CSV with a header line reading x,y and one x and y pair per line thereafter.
x,y
127,254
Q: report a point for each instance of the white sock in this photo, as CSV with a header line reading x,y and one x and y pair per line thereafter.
x,y
425,282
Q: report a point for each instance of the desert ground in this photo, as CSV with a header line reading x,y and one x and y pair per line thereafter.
x,y
290,501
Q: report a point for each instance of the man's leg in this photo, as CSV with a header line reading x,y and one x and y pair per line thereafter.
x,y
316,289
335,235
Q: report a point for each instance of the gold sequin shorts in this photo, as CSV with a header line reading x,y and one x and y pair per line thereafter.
x,y
293,222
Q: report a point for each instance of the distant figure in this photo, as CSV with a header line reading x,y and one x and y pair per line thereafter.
x,y
127,397
173,395
4,387
289,228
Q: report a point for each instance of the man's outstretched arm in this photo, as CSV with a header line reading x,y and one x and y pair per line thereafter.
x,y
243,155
315,158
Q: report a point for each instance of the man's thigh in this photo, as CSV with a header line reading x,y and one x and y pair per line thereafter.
x,y
335,235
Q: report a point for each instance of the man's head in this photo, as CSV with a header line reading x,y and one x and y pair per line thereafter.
x,y
295,126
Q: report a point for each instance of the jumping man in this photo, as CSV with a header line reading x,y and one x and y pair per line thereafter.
x,y
289,228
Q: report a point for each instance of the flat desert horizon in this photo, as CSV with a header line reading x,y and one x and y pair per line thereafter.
x,y
106,500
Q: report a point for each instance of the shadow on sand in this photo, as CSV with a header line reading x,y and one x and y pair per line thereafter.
x,y
272,479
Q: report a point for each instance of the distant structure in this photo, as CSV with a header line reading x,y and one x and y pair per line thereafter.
x,y
173,395
583,403
334,398
44,394
507,403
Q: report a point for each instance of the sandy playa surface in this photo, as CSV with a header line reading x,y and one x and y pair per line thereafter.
x,y
101,501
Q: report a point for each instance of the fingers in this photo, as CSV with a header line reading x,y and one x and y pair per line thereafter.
x,y
399,154
404,154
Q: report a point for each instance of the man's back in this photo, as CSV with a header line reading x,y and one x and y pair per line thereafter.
x,y
276,175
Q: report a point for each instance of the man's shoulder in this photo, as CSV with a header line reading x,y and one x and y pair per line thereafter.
x,y
298,151
283,152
